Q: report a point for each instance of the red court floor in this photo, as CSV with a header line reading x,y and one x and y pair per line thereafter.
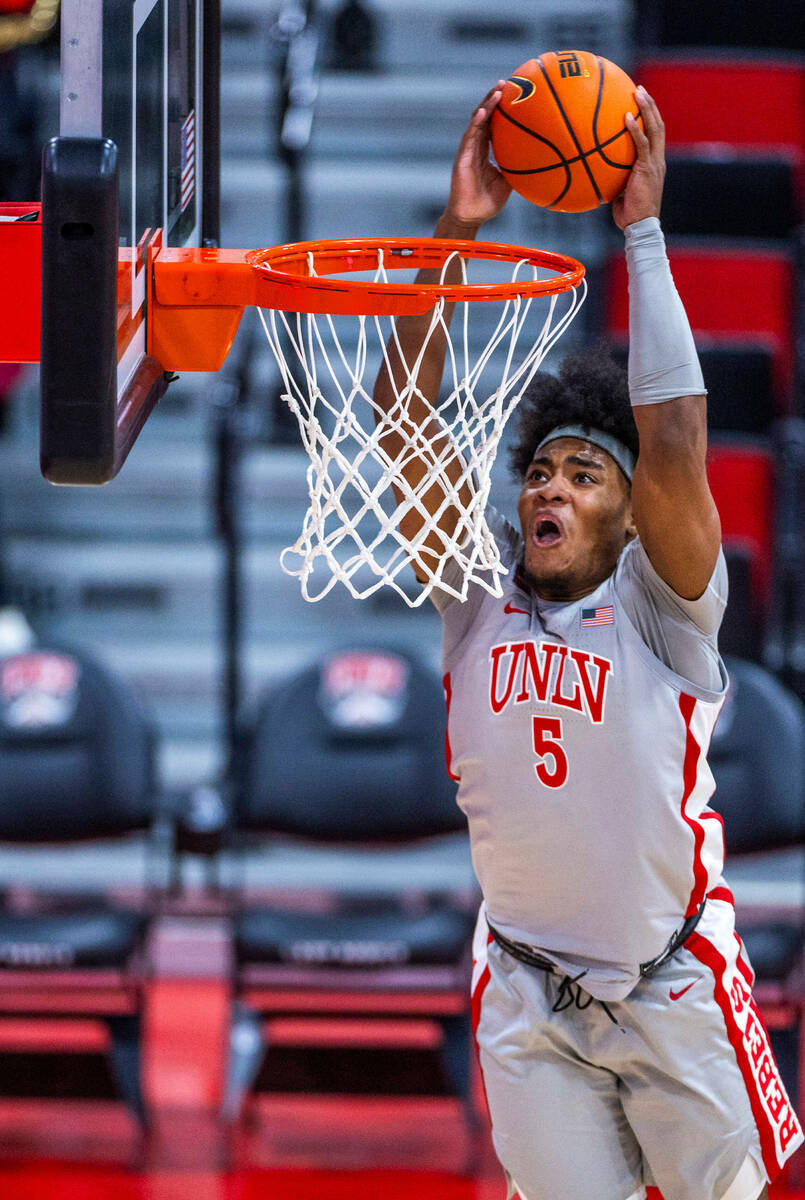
x,y
292,1148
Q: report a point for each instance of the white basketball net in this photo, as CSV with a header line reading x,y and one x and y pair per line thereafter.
x,y
352,526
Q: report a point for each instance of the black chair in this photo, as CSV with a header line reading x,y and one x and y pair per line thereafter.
x,y
735,294
757,756
77,765
784,644
730,194
739,378
696,23
740,387
741,632
742,473
350,753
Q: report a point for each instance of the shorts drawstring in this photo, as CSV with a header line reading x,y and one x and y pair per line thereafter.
x,y
565,996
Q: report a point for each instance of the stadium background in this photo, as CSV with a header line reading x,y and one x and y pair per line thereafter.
x,y
338,120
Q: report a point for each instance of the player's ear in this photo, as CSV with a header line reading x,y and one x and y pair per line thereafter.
x,y
630,527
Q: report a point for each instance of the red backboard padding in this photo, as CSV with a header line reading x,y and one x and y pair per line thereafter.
x,y
21,271
742,482
742,294
743,101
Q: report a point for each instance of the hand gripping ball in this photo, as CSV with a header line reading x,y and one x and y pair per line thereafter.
x,y
559,134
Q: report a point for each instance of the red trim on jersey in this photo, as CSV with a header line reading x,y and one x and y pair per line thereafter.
x,y
717,817
690,773
708,954
721,893
448,753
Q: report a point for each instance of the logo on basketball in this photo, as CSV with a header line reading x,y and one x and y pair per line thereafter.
x,y
526,87
570,65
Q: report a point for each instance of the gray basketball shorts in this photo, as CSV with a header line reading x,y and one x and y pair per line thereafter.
x,y
680,1091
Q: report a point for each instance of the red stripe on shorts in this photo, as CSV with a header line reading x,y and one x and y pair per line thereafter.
x,y
477,996
776,1121
478,992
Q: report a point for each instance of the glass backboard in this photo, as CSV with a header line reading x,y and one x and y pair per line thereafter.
x,y
136,157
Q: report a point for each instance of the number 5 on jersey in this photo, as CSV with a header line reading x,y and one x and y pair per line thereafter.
x,y
547,737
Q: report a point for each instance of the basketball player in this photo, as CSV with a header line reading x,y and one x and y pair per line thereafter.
x,y
618,1039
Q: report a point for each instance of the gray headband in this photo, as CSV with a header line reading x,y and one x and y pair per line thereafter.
x,y
613,446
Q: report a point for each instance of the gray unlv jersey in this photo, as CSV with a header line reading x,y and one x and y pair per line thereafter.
x,y
578,733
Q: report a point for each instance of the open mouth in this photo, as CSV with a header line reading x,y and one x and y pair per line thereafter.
x,y
547,532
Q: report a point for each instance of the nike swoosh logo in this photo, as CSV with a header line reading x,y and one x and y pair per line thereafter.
x,y
676,995
509,608
525,85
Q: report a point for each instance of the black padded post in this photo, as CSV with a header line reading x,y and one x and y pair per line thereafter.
x,y
80,215
126,1056
211,132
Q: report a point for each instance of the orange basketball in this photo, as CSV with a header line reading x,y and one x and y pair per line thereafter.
x,y
559,134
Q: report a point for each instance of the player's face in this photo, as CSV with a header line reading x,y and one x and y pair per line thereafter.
x,y
576,516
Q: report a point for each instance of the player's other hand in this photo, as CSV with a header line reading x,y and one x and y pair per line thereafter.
x,y
642,195
478,191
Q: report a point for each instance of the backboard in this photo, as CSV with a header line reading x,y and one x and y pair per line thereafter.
x,y
136,159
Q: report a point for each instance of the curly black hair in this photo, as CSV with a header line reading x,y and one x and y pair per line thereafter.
x,y
590,390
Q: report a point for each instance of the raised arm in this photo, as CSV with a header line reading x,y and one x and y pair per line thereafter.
x,y
674,512
477,193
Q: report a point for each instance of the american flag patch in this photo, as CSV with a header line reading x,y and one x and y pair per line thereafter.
x,y
188,160
597,616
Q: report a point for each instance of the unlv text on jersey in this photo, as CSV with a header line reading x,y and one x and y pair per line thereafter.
x,y
523,672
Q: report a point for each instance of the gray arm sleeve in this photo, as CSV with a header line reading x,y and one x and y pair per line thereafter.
x,y
682,634
663,363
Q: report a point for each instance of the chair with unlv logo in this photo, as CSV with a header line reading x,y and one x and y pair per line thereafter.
x,y
77,767
370,952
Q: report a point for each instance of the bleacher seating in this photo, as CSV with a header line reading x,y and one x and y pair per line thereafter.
x,y
737,123
718,193
741,476
733,212
740,385
733,295
350,752
728,100
739,326
774,25
136,571
77,765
